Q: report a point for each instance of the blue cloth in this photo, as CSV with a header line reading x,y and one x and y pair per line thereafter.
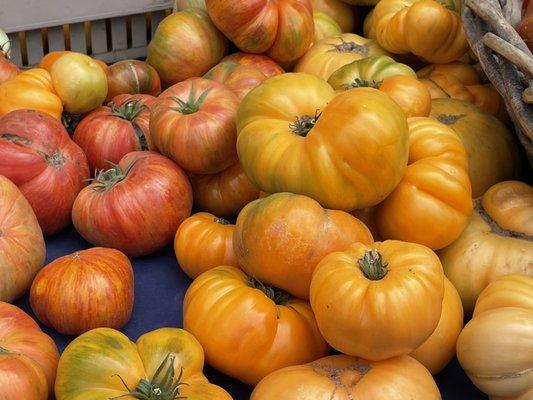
x,y
160,286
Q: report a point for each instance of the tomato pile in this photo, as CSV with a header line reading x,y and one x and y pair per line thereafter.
x,y
356,198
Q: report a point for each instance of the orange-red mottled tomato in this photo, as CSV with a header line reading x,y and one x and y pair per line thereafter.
x,y
283,29
263,63
8,70
240,79
193,122
132,77
88,289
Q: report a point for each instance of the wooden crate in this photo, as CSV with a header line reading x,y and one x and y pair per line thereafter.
x,y
109,30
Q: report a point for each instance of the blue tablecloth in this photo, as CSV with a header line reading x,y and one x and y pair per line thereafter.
x,y
160,286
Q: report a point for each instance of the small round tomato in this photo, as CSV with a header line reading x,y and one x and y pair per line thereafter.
x,y
132,77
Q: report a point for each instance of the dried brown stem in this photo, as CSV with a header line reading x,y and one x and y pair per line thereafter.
x,y
523,61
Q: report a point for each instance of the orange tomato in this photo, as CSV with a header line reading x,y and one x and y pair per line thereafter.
x,y
203,242
410,94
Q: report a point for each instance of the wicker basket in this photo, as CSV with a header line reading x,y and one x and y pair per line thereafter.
x,y
505,58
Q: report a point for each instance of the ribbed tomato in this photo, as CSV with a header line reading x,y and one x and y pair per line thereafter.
x,y
238,78
37,154
263,63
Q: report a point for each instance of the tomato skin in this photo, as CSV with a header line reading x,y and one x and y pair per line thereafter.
x,y
323,162
412,212
238,78
342,13
49,59
186,44
22,249
202,242
141,213
79,81
132,77
439,349
340,377
180,5
280,239
37,154
96,365
263,63
200,139
8,70
409,93
247,335
281,29
28,356
32,89
325,26
425,28
223,194
354,306
85,290
106,137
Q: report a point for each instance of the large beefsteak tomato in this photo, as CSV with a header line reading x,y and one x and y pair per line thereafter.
x,y
280,239
28,357
238,78
307,140
193,122
223,194
104,364
378,301
85,290
136,206
22,249
283,29
110,132
186,44
247,329
37,154
132,77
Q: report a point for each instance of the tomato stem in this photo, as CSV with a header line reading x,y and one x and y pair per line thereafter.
x,y
129,110
106,179
192,105
350,47
303,124
222,221
278,296
449,119
373,265
358,82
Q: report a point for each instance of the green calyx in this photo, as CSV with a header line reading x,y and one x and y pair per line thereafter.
x,y
373,265
278,296
358,82
164,385
191,105
303,124
129,110
106,179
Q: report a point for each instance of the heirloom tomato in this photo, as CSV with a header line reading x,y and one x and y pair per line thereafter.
x,y
464,73
28,357
283,29
203,242
409,93
49,59
430,29
31,89
22,249
495,348
342,377
341,12
493,154
497,241
180,5
135,206
8,70
186,44
330,54
104,364
132,77
378,301
225,193
37,154
85,290
240,79
79,81
259,61
325,26
110,132
193,123
438,350
280,239
331,148
247,329
433,201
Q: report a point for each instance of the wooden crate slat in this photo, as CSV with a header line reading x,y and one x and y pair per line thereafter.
x,y
16,55
114,56
119,34
138,30
56,38
34,44
77,38
98,37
